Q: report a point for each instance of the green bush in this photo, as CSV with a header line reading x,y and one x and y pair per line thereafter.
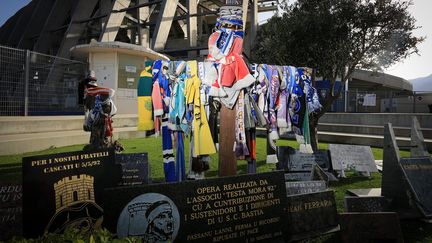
x,y
75,235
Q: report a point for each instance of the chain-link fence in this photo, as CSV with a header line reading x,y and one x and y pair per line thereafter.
x,y
32,83
384,101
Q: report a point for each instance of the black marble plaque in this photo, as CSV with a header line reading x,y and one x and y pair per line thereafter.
x,y
304,187
418,172
365,204
66,190
355,157
283,153
135,169
10,222
310,214
10,210
370,227
298,176
230,209
294,160
10,195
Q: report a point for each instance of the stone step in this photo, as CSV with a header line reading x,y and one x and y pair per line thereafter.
x,y
370,129
38,124
365,139
378,119
29,142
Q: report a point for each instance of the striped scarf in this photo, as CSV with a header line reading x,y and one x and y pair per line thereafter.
x,y
168,155
240,147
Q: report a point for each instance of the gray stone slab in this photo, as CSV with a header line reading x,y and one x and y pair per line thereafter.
x,y
418,146
365,192
298,176
319,174
393,185
293,160
299,161
356,157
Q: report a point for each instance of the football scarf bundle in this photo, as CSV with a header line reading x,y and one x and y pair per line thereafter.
x,y
145,86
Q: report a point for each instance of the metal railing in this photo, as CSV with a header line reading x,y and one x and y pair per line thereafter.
x,y
384,101
33,83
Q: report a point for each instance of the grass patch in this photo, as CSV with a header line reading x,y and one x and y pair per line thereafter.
x,y
413,231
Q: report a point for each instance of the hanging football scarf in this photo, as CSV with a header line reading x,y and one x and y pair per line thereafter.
x,y
240,146
292,76
203,143
297,104
167,150
178,102
274,94
160,97
251,138
145,122
180,174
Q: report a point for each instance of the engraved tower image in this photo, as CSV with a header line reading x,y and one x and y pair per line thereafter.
x,y
73,189
75,204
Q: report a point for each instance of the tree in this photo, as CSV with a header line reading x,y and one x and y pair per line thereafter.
x,y
335,37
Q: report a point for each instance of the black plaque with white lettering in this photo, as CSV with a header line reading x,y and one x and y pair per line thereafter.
x,y
231,209
10,195
356,157
303,161
10,210
304,187
370,227
65,190
365,204
310,214
418,172
135,169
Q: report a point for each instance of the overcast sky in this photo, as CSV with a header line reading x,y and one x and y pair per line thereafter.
x,y
418,66
413,67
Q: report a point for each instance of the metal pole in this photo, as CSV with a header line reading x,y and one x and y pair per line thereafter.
x,y
26,82
414,101
356,99
346,95
391,101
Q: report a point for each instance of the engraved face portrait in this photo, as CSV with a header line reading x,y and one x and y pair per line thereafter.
x,y
151,216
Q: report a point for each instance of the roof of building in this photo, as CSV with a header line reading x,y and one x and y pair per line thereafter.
x,y
120,47
374,80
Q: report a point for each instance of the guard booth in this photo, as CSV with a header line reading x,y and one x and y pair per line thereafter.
x,y
118,65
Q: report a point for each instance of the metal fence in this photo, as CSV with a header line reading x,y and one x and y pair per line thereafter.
x,y
384,101
32,83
